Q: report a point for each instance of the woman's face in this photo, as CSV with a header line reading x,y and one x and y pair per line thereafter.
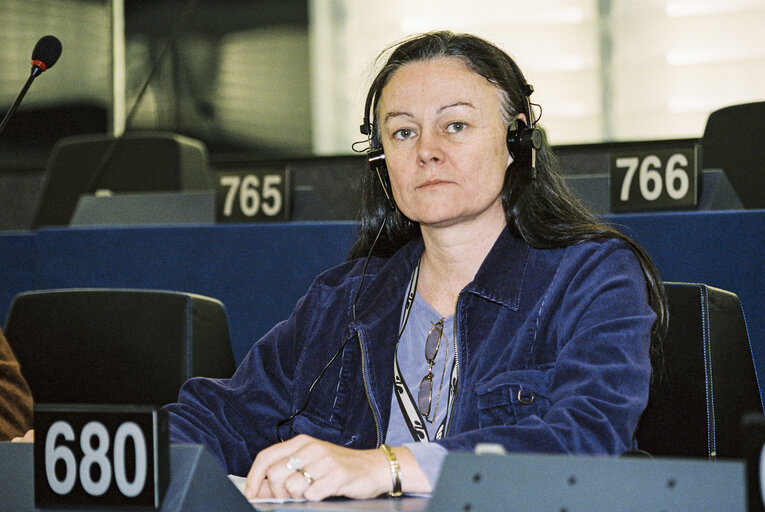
x,y
445,142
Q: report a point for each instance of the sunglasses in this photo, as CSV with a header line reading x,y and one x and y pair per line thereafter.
x,y
425,393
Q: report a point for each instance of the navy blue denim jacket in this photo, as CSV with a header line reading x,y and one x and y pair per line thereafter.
x,y
552,355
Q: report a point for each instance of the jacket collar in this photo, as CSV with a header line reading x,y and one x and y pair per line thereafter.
x,y
386,282
501,275
499,279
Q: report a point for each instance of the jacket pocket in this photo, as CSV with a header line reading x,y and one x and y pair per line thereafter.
x,y
315,427
512,396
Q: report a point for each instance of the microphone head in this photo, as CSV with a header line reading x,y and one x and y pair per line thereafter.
x,y
46,52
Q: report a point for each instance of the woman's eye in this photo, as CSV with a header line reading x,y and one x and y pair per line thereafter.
x,y
403,133
455,127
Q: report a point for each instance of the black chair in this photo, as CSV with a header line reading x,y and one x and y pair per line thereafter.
x,y
136,162
116,346
709,380
732,142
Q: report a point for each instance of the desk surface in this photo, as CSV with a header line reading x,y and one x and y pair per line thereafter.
x,y
405,504
467,482
211,489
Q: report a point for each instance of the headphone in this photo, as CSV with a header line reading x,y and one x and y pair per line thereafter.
x,y
375,153
523,140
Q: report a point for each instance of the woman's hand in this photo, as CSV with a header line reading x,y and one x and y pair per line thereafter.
x,y
304,467
29,437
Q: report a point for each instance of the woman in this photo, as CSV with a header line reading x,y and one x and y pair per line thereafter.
x,y
480,304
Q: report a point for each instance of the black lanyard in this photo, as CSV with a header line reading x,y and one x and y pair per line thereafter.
x,y
409,409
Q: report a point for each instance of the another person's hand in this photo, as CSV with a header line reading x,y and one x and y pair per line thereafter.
x,y
304,467
29,437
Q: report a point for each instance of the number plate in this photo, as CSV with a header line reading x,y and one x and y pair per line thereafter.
x,y
658,179
253,195
100,456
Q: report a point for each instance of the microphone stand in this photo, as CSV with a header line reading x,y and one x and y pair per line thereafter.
x,y
106,158
35,72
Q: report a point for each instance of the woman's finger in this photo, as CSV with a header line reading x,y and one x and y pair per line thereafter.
x,y
274,464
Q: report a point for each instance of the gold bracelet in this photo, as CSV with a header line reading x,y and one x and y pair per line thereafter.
x,y
395,470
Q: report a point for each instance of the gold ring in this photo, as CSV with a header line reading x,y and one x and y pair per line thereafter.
x,y
306,475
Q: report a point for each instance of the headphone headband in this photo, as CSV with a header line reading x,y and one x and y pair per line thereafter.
x,y
367,127
523,137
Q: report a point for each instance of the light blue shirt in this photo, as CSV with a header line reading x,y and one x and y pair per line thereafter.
x,y
413,366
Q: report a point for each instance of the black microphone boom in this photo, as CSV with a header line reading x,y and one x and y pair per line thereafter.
x,y
44,55
111,149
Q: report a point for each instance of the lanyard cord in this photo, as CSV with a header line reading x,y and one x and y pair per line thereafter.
x,y
410,411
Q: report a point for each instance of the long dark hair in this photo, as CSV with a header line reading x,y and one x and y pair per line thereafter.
x,y
541,210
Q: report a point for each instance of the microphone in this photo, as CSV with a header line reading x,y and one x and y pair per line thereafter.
x,y
44,55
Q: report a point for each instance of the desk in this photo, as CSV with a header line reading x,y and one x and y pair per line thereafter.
x,y
524,482
196,484
260,270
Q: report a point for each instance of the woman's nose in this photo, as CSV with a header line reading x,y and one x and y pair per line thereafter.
x,y
429,148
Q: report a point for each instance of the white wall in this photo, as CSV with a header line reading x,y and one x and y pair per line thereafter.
x,y
602,69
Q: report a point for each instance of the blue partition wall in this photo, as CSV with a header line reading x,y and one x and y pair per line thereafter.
x,y
260,270
257,271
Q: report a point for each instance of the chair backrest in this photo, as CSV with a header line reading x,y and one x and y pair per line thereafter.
x,y
118,346
709,380
137,162
732,142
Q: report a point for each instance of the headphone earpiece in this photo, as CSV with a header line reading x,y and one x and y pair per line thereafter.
x,y
521,138
523,142
376,159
